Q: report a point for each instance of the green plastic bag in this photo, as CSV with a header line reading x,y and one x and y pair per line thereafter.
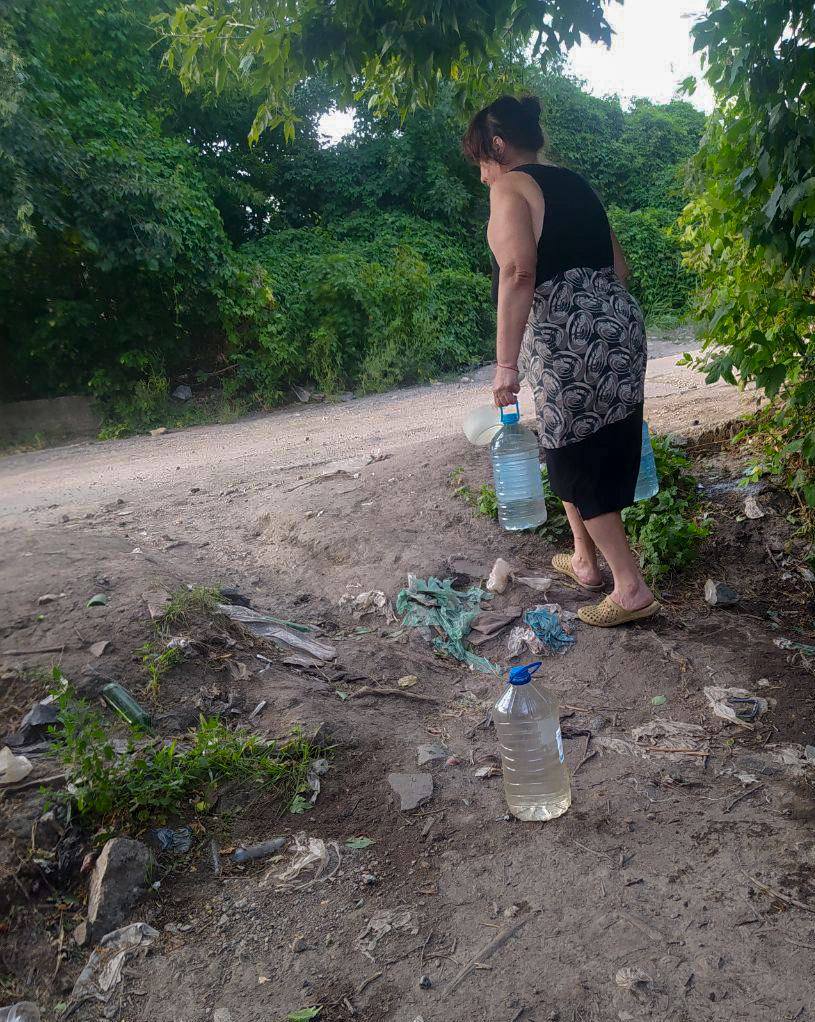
x,y
433,603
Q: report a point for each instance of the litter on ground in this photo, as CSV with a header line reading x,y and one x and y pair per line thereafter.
x,y
546,624
433,603
735,705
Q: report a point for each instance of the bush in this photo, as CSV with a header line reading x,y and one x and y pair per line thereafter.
x,y
368,302
649,239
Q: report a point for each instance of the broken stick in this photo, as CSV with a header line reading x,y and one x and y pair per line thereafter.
x,y
486,952
368,690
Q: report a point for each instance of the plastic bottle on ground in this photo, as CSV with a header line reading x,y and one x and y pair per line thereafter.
x,y
647,480
516,471
536,781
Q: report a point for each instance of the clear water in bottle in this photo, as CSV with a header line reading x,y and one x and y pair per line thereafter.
x,y
516,471
536,781
647,480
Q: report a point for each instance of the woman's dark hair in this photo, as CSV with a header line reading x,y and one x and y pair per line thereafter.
x,y
516,121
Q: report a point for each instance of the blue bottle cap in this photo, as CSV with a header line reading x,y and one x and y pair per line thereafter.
x,y
509,418
523,675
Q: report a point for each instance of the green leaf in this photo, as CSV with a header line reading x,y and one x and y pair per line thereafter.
x,y
359,842
304,1014
100,600
659,700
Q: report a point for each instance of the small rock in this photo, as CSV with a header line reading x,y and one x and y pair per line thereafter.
x,y
412,789
717,594
47,598
429,753
408,681
222,1015
299,944
753,509
182,392
633,979
158,432
100,648
118,880
776,544
425,982
347,396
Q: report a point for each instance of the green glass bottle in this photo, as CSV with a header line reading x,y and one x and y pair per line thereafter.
x,y
125,705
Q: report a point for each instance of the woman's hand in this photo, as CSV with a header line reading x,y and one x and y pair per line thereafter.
x,y
505,386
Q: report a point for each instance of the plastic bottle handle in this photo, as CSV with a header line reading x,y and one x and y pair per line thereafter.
x,y
517,411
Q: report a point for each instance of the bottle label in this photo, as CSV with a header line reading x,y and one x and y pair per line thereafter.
x,y
559,738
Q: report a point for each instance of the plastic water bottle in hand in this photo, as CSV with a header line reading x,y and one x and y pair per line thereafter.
x,y
647,480
527,719
516,471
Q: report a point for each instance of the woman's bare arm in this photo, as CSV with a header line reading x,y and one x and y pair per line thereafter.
x,y
620,265
511,237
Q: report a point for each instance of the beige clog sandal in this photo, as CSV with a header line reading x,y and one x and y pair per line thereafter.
x,y
562,563
608,614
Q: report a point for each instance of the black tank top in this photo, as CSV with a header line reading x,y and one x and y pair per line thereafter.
x,y
575,231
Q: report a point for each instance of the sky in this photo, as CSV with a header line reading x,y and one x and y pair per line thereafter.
x,y
651,53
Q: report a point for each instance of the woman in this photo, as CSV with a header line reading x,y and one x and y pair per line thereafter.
x,y
564,310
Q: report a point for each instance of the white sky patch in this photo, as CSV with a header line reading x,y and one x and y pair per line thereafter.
x,y
336,124
651,53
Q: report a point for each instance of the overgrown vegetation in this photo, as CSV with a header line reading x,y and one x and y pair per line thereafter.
x,y
189,603
665,530
750,229
152,781
143,242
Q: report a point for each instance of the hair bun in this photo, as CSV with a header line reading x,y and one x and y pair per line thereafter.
x,y
530,105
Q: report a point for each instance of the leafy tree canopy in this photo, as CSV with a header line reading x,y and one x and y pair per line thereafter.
x,y
750,229
393,53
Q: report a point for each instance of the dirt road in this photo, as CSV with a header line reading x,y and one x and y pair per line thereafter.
x,y
305,437
679,886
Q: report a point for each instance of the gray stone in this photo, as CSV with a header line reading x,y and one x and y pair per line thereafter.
x,y
412,789
118,881
717,594
222,1015
182,392
429,753
100,648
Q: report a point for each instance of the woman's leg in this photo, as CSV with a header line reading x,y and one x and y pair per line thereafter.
x,y
584,560
607,532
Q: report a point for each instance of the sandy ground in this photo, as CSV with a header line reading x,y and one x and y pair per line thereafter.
x,y
272,446
678,887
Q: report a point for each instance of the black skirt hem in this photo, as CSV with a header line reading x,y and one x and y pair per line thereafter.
x,y
599,474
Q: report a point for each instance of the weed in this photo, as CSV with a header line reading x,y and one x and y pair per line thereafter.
x,y
666,529
190,603
485,503
157,663
151,782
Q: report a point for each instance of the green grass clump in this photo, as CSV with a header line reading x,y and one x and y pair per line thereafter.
x,y
187,604
154,782
157,663
485,503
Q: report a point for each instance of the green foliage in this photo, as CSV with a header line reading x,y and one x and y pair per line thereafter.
x,y
750,229
157,663
633,157
188,604
658,279
367,302
153,781
666,529
391,54
485,503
